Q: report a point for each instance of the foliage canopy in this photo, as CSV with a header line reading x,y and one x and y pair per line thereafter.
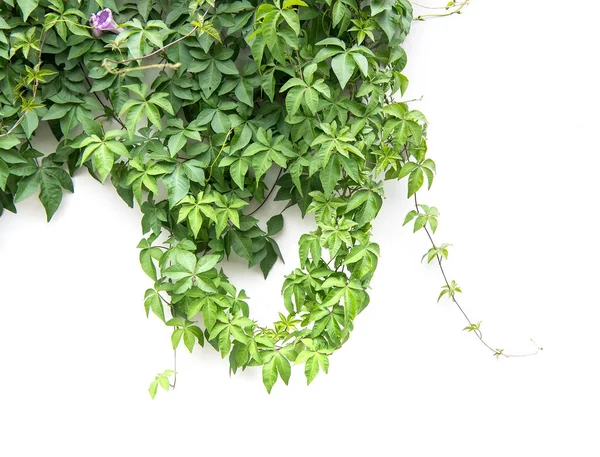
x,y
206,101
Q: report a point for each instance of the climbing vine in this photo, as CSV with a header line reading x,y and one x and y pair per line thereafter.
x,y
210,101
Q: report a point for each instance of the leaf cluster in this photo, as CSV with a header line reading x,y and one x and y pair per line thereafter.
x,y
205,101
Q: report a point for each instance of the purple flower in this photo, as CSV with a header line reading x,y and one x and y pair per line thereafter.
x,y
103,22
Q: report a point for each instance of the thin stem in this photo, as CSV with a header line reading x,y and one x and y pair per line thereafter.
x,y
174,369
219,154
412,100
435,7
449,13
153,53
477,332
83,69
268,195
16,124
172,66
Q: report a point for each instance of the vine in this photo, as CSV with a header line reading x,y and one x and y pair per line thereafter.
x,y
208,98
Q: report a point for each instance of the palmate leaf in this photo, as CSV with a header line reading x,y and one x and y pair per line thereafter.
x,y
50,180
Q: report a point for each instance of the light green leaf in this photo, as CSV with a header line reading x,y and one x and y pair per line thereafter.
x,y
207,262
27,7
343,66
153,302
177,184
103,160
283,367
30,123
330,175
311,98
3,174
311,369
269,374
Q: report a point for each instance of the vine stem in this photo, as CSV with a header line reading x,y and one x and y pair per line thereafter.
x,y
477,332
172,66
458,9
420,5
16,124
268,195
219,154
174,350
174,369
83,69
153,53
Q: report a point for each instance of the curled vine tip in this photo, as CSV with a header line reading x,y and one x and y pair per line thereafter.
x,y
103,22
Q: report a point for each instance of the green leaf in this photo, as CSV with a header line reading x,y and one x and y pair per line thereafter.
x,y
275,224
238,171
207,262
117,148
415,181
147,262
177,184
103,159
330,175
134,115
153,114
269,374
189,339
221,123
311,98
144,7
27,7
50,194
245,93
291,18
30,123
210,79
293,100
153,302
269,29
176,143
176,337
9,141
362,63
194,171
224,342
283,367
369,209
242,245
153,389
311,369
27,187
338,13
3,174
343,66
209,311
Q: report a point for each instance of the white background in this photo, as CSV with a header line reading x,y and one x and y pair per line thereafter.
x,y
511,92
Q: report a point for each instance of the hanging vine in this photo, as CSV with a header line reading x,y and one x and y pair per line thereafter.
x,y
207,99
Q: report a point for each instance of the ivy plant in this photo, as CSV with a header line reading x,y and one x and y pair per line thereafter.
x,y
206,99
